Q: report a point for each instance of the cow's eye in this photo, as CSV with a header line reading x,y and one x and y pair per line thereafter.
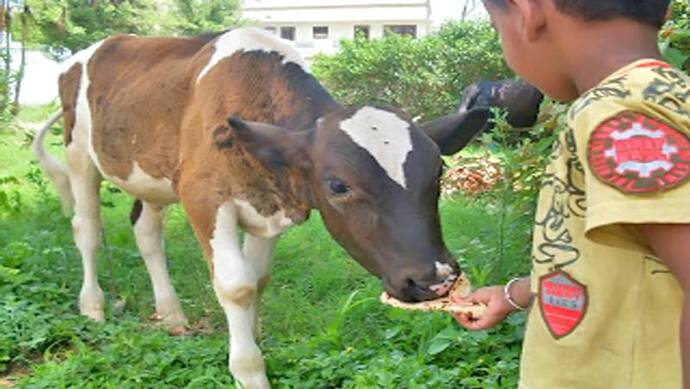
x,y
337,187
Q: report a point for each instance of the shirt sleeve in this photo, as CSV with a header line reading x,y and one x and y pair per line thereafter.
x,y
637,171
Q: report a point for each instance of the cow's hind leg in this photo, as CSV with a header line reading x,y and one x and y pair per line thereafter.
x,y
259,253
147,219
86,226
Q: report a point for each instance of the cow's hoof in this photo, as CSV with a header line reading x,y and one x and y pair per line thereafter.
x,y
94,314
91,304
257,382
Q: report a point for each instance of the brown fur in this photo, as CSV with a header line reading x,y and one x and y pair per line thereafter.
x,y
145,106
69,90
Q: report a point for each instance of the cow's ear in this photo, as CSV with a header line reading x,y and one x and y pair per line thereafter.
x,y
275,147
453,132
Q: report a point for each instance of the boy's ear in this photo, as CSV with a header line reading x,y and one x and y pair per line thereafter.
x,y
533,18
275,147
453,132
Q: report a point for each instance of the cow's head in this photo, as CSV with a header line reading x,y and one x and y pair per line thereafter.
x,y
374,176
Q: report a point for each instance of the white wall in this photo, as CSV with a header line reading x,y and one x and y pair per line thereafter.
x,y
323,3
323,15
309,46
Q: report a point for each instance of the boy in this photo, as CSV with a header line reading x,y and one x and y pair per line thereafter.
x,y
611,253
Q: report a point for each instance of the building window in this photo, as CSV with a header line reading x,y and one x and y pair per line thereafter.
x,y
362,31
320,32
287,33
271,30
401,29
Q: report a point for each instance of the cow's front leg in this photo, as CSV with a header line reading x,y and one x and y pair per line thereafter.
x,y
236,283
259,252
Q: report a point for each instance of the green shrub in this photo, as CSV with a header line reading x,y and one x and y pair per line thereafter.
x,y
675,37
423,76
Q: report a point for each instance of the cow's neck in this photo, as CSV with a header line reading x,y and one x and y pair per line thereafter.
x,y
298,100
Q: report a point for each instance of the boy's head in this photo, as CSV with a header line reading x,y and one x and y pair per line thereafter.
x,y
547,41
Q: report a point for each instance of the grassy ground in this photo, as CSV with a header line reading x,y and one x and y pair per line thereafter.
x,y
323,326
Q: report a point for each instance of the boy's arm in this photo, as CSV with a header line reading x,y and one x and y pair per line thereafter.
x,y
497,306
671,243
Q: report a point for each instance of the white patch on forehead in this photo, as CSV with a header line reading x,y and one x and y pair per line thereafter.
x,y
251,39
385,136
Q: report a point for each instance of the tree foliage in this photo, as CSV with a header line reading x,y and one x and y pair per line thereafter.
x,y
193,17
68,26
423,76
675,37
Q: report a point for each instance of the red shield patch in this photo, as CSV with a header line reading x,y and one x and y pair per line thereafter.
x,y
638,154
563,303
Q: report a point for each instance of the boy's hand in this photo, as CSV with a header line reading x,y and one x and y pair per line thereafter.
x,y
497,308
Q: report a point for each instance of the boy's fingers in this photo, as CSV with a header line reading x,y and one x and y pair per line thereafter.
x,y
464,320
471,298
478,296
472,323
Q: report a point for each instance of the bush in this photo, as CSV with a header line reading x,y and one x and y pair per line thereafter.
x,y
675,36
423,76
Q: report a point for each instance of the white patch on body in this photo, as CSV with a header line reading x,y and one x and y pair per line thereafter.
x,y
82,118
233,276
258,225
145,187
385,136
251,39
81,56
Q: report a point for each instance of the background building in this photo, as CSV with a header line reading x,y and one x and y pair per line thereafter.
x,y
318,25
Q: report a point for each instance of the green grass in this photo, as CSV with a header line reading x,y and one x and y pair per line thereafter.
x,y
322,324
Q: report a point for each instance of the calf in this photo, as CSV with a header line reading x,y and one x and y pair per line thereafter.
x,y
235,127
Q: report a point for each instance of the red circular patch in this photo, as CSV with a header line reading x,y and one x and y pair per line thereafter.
x,y
638,154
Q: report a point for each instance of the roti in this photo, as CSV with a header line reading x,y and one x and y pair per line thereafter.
x,y
462,287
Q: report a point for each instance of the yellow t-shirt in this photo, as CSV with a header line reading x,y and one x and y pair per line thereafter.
x,y
607,311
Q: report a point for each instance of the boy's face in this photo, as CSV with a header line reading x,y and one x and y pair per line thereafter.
x,y
528,50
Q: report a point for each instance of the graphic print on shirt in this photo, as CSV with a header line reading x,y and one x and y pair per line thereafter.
x,y
613,88
670,90
563,303
565,199
637,154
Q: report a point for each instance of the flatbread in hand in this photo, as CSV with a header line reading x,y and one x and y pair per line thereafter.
x,y
462,287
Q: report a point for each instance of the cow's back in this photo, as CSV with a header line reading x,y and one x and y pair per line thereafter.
x,y
134,92
139,90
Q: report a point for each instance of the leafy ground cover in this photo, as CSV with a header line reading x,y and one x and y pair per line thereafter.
x,y
322,323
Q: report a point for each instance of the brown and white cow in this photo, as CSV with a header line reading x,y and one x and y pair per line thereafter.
x,y
235,127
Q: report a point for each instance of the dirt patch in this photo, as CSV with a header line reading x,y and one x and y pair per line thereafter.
x,y
15,373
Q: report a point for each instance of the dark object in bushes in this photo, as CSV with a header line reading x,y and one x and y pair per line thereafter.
x,y
520,99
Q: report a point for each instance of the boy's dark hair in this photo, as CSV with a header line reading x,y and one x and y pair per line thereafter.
x,y
650,12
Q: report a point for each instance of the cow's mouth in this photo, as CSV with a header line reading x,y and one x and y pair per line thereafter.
x,y
445,287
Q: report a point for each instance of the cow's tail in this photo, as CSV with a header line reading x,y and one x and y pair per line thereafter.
x,y
52,167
